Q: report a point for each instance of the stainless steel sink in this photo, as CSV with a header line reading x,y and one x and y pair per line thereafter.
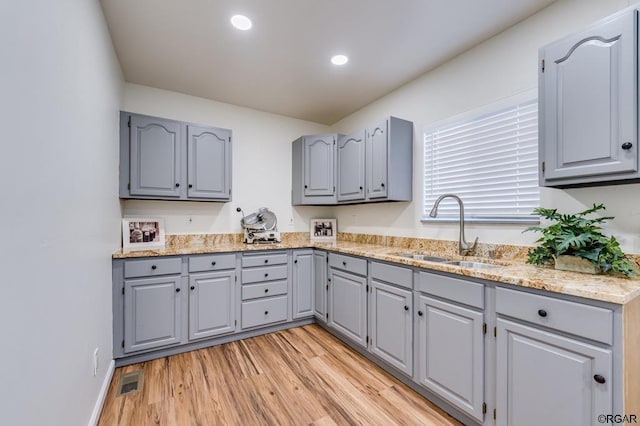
x,y
472,265
418,256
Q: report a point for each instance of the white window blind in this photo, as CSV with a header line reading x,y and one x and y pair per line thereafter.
x,y
490,162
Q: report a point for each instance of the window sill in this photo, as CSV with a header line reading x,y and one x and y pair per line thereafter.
x,y
488,220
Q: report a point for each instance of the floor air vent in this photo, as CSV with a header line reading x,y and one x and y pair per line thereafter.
x,y
130,382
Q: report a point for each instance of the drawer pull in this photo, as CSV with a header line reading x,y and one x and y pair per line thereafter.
x,y
600,379
266,261
213,263
420,313
266,290
406,308
266,312
344,263
154,267
193,287
542,313
266,275
177,290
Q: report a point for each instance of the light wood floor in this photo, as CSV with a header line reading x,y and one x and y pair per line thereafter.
x,y
294,377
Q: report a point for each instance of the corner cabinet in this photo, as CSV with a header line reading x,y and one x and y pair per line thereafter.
x,y
171,160
320,285
302,287
370,165
314,170
588,105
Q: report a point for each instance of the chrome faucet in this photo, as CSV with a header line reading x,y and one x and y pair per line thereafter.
x,y
464,248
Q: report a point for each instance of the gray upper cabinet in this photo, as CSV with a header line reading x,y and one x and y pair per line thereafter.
x,y
211,304
375,164
389,160
209,157
588,106
544,378
303,290
320,285
171,160
314,170
156,157
351,167
152,316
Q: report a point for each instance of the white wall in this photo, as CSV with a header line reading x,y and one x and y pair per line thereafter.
x,y
261,146
61,89
499,68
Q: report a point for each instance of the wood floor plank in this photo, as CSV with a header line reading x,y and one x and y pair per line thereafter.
x,y
293,377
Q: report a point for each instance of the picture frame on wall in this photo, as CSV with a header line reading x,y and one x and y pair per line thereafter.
x,y
323,230
142,233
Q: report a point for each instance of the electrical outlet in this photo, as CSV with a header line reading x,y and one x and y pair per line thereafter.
x,y
189,220
96,352
291,220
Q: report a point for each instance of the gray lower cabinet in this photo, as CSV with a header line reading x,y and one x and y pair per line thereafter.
x,y
320,285
391,324
450,339
314,170
211,304
173,160
588,87
265,289
302,284
347,304
545,378
152,316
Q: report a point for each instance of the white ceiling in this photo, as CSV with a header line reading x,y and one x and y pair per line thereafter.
x,y
282,65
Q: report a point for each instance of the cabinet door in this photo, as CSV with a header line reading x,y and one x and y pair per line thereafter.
x,y
588,101
211,304
151,313
451,353
351,166
319,172
303,290
320,285
155,155
547,379
377,160
209,163
392,325
348,305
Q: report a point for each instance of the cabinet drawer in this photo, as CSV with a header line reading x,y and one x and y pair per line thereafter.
x,y
264,311
152,267
249,260
268,273
392,274
254,291
213,262
454,289
348,263
582,320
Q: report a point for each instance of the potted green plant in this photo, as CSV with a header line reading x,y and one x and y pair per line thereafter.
x,y
575,242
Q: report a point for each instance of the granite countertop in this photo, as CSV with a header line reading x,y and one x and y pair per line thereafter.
x,y
509,270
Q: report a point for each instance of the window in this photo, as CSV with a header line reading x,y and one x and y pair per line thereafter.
x,y
489,161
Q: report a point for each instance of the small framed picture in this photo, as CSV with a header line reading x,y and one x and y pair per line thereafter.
x,y
142,233
323,230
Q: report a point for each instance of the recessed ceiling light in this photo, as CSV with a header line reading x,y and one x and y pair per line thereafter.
x,y
339,60
241,22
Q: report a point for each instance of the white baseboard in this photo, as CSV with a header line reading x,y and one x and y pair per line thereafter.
x,y
95,416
